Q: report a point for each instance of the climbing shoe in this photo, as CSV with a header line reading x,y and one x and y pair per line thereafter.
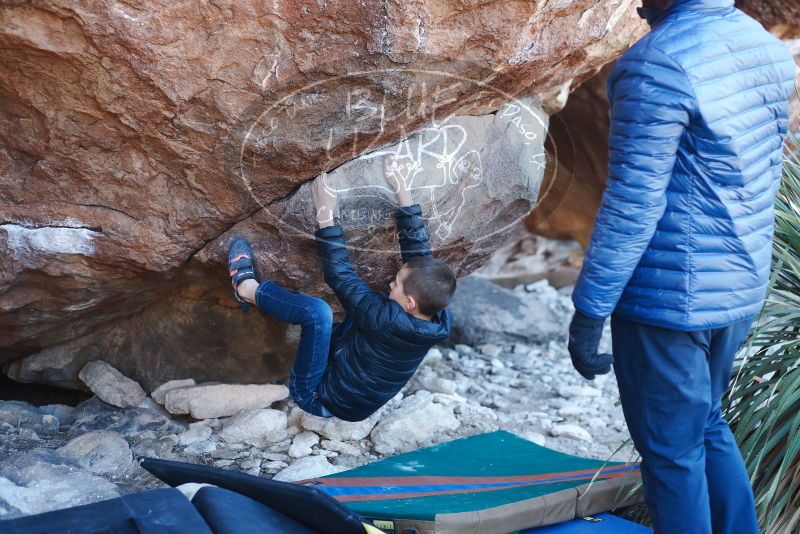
x,y
240,266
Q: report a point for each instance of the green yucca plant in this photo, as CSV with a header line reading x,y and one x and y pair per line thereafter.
x,y
763,403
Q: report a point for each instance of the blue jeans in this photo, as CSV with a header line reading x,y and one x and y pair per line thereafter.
x,y
315,318
671,384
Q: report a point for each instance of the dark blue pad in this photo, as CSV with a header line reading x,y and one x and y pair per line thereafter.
x,y
227,512
303,504
152,512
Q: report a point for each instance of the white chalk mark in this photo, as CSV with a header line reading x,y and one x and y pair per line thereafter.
x,y
62,239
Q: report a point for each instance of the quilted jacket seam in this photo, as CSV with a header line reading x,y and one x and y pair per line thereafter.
x,y
739,93
717,79
692,190
723,57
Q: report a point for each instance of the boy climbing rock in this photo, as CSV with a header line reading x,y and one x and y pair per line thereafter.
x,y
351,369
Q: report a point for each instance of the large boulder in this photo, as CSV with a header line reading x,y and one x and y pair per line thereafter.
x,y
484,312
134,140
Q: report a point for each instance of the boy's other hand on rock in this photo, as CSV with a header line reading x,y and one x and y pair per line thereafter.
x,y
392,172
324,199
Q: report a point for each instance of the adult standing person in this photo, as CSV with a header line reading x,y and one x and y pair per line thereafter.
x,y
680,254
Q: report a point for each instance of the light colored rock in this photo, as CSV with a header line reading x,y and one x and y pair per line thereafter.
x,y
418,421
50,421
333,428
102,452
579,391
250,464
464,350
295,416
110,385
302,443
276,457
571,431
522,348
433,357
65,414
160,392
207,401
451,355
571,410
490,349
199,431
535,437
340,447
437,384
275,465
308,467
149,404
257,427
200,448
596,423
36,483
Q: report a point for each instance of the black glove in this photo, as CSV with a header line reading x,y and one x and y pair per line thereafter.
x,y
584,338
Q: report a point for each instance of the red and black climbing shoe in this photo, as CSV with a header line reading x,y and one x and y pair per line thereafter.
x,y
240,266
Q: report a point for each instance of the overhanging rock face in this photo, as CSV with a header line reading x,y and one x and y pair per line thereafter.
x,y
136,142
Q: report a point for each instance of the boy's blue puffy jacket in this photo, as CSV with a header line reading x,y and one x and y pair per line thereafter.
x,y
699,112
378,347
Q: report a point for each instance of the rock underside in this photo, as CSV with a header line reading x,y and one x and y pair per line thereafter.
x,y
135,143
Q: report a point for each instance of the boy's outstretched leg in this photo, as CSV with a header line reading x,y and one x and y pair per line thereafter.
x,y
315,318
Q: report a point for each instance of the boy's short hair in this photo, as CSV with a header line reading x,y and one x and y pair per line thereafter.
x,y
431,282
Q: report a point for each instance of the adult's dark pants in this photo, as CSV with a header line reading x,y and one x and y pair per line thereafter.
x,y
671,383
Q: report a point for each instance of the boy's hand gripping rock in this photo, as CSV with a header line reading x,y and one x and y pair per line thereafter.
x,y
324,200
392,169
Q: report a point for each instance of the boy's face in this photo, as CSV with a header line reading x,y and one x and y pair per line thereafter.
x,y
398,294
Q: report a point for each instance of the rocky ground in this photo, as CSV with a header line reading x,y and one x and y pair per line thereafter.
x,y
509,370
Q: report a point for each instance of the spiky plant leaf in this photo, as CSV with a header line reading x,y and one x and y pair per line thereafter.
x,y
763,403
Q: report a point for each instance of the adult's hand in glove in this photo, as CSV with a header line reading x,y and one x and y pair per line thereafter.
x,y
584,339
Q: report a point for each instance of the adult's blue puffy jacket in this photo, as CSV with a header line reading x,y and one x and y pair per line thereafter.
x,y
378,347
699,112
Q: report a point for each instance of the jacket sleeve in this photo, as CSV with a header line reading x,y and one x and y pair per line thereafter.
x,y
411,232
652,102
366,307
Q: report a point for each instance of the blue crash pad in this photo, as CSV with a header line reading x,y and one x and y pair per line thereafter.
x,y
599,524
